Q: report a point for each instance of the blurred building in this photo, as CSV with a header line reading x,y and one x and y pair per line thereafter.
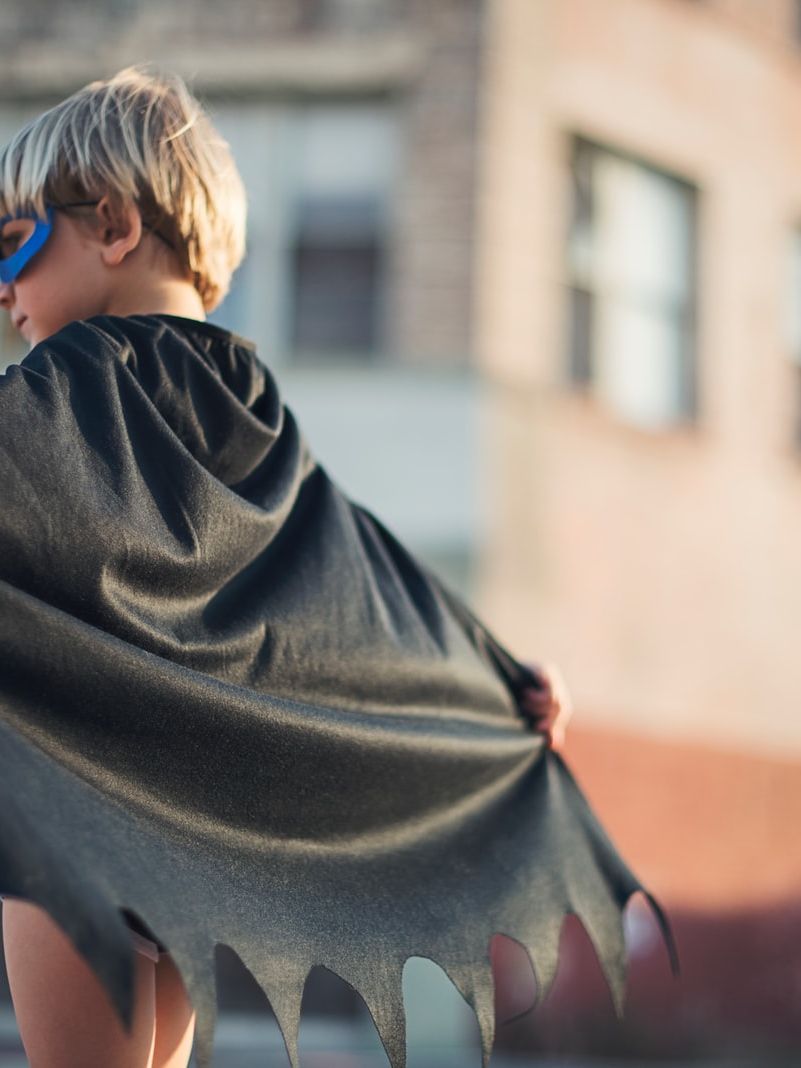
x,y
638,324
639,302
547,253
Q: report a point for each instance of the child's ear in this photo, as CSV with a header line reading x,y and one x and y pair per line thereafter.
x,y
119,230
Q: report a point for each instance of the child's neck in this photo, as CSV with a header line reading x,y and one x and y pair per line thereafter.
x,y
166,295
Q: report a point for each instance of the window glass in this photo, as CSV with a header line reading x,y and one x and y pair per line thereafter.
x,y
631,306
320,180
345,163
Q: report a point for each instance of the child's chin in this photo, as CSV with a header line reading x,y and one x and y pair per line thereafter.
x,y
30,333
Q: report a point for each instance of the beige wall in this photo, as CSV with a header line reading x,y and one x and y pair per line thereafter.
x,y
711,830
662,571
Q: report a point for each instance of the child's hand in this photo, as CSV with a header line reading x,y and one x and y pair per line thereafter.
x,y
549,708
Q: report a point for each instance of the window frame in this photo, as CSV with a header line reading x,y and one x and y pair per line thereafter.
x,y
579,367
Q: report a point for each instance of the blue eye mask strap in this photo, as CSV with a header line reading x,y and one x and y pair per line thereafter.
x,y
11,267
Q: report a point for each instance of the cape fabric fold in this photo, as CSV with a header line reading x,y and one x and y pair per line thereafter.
x,y
232,703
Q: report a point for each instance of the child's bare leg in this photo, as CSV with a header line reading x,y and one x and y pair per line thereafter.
x,y
175,1017
63,1013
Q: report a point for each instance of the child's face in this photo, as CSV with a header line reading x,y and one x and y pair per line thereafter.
x,y
63,281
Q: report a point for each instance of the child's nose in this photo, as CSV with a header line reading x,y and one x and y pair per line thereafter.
x,y
6,294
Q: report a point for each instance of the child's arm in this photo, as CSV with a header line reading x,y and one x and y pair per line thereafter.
x,y
551,707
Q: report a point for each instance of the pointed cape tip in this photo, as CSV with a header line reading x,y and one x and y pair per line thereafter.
x,y
201,988
543,954
476,984
383,997
284,991
667,933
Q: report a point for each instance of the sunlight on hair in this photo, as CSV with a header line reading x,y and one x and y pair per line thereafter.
x,y
139,137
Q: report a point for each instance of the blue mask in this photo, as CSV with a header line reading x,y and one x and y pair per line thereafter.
x,y
29,240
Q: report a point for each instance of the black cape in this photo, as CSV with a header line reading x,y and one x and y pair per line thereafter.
x,y
235,706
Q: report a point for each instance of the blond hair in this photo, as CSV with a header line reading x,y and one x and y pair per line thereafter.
x,y
142,138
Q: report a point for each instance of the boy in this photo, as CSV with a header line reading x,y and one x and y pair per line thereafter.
x,y
123,219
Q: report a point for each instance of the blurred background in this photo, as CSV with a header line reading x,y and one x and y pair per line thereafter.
x,y
547,255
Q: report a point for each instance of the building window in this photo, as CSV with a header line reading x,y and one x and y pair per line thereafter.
x,y
341,195
321,181
337,260
631,278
